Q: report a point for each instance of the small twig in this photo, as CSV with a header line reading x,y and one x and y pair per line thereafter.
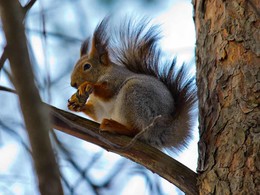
x,y
137,136
55,34
75,165
3,58
16,136
28,6
2,88
8,74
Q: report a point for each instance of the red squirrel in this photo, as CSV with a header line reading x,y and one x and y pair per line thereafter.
x,y
124,85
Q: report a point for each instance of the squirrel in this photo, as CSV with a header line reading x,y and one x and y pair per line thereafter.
x,y
123,84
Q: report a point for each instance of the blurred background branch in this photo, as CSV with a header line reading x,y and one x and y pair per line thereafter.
x,y
35,114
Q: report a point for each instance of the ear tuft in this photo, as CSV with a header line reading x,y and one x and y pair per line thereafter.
x,y
100,43
84,47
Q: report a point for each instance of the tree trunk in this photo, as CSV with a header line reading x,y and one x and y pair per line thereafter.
x,y
228,79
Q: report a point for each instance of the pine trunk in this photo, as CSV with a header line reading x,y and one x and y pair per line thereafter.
x,y
228,79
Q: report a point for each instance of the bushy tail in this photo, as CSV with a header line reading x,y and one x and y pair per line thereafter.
x,y
183,89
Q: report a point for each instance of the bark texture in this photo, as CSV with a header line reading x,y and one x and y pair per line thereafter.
x,y
228,79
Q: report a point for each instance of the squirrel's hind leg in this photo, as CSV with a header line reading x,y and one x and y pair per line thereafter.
x,y
113,126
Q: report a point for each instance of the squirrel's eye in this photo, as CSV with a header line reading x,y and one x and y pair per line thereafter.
x,y
86,66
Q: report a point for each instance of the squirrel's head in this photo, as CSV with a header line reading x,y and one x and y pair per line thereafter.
x,y
95,62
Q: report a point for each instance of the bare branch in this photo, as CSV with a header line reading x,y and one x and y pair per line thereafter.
x,y
2,88
28,6
3,59
57,35
16,136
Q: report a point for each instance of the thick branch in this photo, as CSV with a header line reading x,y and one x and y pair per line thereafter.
x,y
150,157
34,112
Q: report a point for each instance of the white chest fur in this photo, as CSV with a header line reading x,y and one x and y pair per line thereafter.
x,y
103,109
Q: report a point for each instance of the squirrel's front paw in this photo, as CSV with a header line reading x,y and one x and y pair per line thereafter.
x,y
77,102
85,88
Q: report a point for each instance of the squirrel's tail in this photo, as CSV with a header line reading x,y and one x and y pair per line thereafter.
x,y
174,131
183,89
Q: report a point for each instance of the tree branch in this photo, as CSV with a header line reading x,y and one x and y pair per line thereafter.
x,y
2,88
3,59
34,112
151,158
28,6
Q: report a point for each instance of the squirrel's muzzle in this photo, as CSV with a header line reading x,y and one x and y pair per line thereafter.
x,y
74,85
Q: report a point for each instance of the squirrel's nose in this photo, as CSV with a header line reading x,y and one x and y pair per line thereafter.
x,y
74,85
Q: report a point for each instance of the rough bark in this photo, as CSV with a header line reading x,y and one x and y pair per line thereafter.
x,y
228,79
34,112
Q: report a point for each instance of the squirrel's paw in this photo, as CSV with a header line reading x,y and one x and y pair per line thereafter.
x,y
85,88
77,102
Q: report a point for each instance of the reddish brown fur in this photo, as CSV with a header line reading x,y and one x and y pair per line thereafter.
x,y
115,127
102,91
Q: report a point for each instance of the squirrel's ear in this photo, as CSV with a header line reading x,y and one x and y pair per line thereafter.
x,y
99,48
99,51
84,47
